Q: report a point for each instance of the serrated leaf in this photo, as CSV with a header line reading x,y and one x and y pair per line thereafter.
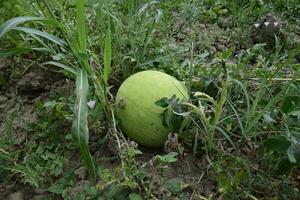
x,y
169,158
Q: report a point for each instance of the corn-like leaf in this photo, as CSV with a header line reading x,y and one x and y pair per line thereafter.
x,y
46,35
81,26
61,66
12,23
80,127
80,132
107,55
20,50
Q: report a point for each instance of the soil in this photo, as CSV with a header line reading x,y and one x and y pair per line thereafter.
x,y
18,99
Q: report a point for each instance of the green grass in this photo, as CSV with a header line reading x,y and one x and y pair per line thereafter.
x,y
242,120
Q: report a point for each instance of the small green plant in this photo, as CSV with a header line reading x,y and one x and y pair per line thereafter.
x,y
285,149
81,69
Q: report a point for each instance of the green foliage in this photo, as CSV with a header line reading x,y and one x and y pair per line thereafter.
x,y
242,120
15,8
42,158
80,131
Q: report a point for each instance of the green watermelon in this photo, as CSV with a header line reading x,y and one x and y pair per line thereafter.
x,y
140,118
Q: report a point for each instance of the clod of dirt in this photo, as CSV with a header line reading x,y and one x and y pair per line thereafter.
x,y
79,187
81,173
16,196
3,100
36,82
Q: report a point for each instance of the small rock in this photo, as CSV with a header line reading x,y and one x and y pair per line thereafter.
x,y
16,196
81,173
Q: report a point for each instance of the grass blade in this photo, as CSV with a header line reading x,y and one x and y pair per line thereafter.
x,y
237,115
107,55
12,23
243,87
80,132
46,35
69,69
21,50
256,118
81,26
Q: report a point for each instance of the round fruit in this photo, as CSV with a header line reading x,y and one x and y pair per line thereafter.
x,y
140,118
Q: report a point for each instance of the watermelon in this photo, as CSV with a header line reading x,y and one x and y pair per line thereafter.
x,y
140,118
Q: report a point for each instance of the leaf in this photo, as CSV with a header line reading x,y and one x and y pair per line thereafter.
x,y
107,55
158,15
69,69
12,23
291,154
135,196
169,158
80,127
290,103
80,132
283,167
21,50
43,34
226,54
295,113
81,26
268,118
255,117
163,102
277,143
175,185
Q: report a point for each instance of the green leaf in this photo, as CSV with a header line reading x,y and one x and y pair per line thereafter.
x,y
80,127
290,103
283,167
175,185
277,143
135,196
169,158
81,26
226,54
21,50
80,132
291,154
107,55
163,102
12,23
43,34
268,118
61,66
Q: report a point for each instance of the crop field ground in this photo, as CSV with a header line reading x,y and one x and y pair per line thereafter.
x,y
62,62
